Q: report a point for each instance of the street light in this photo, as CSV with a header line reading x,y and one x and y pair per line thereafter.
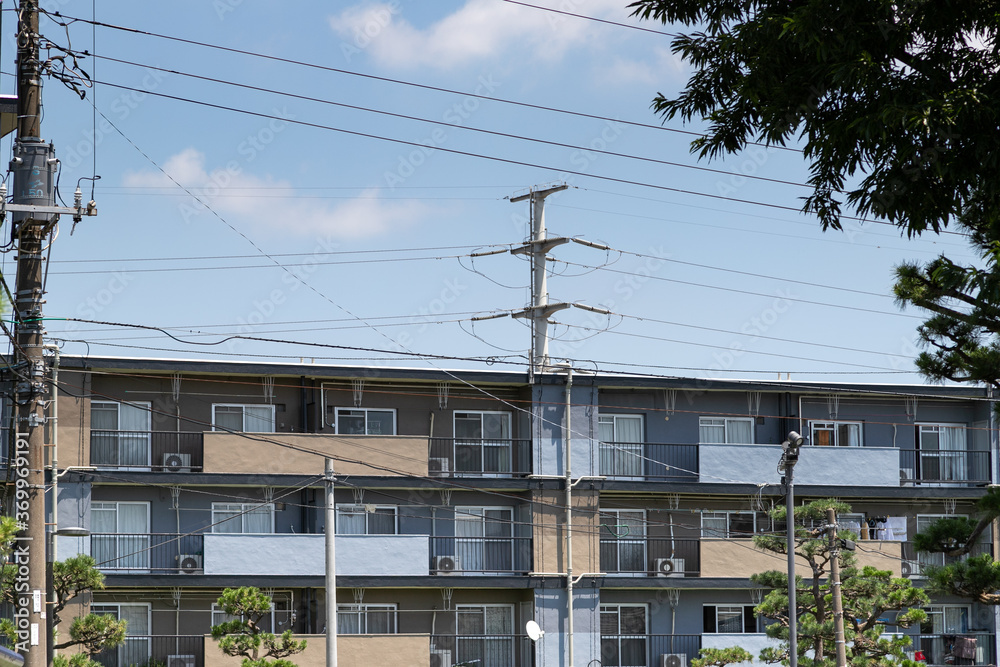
x,y
789,457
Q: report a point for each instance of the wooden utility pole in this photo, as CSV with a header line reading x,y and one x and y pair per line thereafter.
x,y
34,165
838,601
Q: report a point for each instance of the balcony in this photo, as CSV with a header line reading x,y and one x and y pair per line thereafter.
x,y
497,650
645,650
649,461
158,451
944,468
943,649
149,553
169,650
480,555
648,557
914,561
479,458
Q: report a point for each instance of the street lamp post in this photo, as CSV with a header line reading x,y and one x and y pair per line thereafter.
x,y
789,457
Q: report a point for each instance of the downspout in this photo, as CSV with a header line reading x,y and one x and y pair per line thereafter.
x,y
569,517
303,409
54,456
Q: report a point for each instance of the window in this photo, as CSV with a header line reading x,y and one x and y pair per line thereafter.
x,y
365,421
482,442
366,520
120,434
484,539
725,430
621,445
937,558
119,538
943,452
623,635
729,619
733,524
835,434
485,635
366,619
136,649
244,418
623,541
243,518
944,624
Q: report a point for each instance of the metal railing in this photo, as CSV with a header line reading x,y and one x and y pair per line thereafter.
x,y
470,456
480,555
649,461
943,467
486,650
157,553
158,451
156,651
914,561
646,650
651,556
945,649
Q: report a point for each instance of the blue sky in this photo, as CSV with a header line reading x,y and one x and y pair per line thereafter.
x,y
206,188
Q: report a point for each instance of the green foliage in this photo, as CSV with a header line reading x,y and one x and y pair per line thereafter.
x,y
96,633
896,106
75,660
71,577
977,578
244,638
868,594
720,657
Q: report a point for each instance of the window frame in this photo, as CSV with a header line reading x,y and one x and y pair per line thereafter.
x,y
136,545
757,528
616,607
620,541
710,624
336,419
362,610
129,631
834,428
216,610
344,507
482,413
245,508
725,424
243,414
141,439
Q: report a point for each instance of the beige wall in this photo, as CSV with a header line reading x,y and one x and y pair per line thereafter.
x,y
74,420
352,651
549,517
739,558
383,455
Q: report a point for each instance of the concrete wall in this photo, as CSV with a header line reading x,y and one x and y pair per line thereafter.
x,y
740,559
549,448
551,614
869,466
305,555
381,455
549,519
352,651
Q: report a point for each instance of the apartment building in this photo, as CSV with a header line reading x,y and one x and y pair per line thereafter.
x,y
451,504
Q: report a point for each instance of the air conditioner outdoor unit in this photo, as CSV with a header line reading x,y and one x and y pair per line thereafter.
x,y
673,660
445,564
669,567
177,462
181,661
189,564
440,658
906,476
437,466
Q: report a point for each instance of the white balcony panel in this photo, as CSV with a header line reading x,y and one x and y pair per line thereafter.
x,y
757,464
304,555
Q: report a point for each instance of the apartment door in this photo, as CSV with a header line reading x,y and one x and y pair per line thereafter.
x,y
484,539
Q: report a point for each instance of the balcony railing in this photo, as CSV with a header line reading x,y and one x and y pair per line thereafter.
x,y
914,561
163,650
947,650
645,650
649,461
476,457
480,555
493,650
159,451
159,553
944,468
651,556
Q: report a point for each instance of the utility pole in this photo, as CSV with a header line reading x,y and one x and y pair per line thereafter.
x,y
331,566
838,601
34,166
789,457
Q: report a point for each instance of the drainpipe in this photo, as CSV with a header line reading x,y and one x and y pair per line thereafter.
x,y
54,456
569,517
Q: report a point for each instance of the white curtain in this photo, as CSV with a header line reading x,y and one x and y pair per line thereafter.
x,y
952,439
348,620
257,519
134,422
135,650
351,520
739,431
258,418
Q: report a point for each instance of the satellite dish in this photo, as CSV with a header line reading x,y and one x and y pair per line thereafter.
x,y
534,632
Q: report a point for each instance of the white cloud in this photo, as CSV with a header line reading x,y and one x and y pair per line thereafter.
x,y
620,71
249,201
480,29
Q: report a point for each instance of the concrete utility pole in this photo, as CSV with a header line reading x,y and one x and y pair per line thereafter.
x,y
331,566
789,457
838,601
34,166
